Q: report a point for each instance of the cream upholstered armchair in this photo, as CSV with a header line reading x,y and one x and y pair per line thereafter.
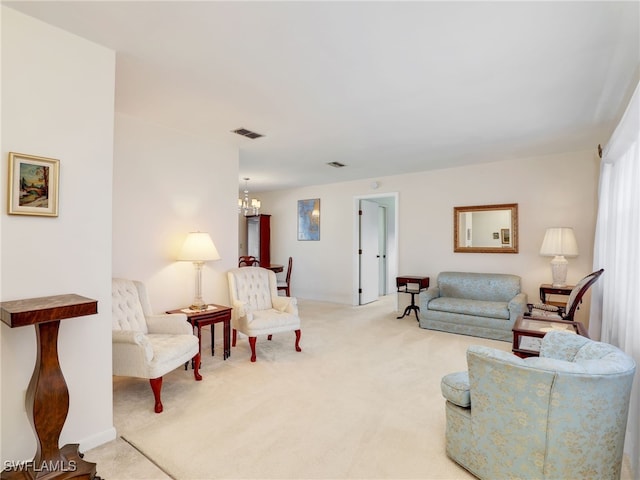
x,y
147,345
257,308
562,415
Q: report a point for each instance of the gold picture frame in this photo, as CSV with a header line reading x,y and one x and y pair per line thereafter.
x,y
501,218
33,185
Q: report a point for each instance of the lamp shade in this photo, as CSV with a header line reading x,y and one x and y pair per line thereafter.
x,y
559,241
198,247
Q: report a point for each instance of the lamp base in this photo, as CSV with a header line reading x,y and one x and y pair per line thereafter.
x,y
198,305
559,267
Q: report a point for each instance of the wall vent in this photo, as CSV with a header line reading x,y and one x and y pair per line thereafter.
x,y
247,133
336,164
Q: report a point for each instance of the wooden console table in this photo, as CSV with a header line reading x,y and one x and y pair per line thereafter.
x,y
47,400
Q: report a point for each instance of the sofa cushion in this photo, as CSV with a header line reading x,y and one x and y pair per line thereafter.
x,y
470,307
455,388
264,322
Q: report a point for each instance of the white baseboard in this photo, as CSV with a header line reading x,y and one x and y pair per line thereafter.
x,y
98,439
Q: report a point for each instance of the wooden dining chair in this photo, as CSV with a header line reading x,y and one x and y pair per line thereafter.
x,y
286,283
248,261
573,303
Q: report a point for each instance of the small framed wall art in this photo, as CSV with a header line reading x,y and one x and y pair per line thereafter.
x,y
505,236
309,219
33,185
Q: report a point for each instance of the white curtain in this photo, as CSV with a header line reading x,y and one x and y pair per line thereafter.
x,y
615,301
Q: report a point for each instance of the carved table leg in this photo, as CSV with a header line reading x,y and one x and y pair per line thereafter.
x,y
47,405
227,338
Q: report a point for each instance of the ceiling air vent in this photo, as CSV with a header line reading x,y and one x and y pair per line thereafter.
x,y
336,164
247,133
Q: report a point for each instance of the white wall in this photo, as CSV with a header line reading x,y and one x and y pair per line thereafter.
x,y
57,101
551,191
167,183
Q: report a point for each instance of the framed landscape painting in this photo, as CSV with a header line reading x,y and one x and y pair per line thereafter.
x,y
33,185
309,219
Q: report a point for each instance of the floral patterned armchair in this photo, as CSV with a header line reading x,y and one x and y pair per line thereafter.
x,y
560,415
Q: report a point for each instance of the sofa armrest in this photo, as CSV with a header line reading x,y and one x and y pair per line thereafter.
x,y
517,305
502,356
128,336
427,295
285,304
240,309
503,382
510,401
562,345
170,323
131,344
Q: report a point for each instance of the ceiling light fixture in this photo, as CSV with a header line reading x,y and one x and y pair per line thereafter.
x,y
245,206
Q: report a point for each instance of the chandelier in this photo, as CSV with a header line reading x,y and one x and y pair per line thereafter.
x,y
245,206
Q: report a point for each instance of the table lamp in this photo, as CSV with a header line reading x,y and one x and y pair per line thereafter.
x,y
198,248
558,242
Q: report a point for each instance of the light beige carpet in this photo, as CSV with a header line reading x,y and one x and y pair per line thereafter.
x,y
362,400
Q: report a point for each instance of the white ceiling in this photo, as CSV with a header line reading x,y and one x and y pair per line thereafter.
x,y
383,87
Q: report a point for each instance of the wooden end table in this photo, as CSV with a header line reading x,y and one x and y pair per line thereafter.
x,y
413,285
214,314
529,331
548,289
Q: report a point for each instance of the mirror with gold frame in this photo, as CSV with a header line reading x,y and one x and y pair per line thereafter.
x,y
486,228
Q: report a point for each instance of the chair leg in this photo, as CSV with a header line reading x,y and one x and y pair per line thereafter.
x,y
287,291
196,368
233,337
298,333
252,343
156,386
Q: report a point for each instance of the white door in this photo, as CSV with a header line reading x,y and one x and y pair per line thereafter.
x,y
368,253
382,250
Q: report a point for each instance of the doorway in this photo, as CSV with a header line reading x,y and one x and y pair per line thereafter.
x,y
375,261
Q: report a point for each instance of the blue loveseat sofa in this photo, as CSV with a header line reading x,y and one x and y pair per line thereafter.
x,y
479,304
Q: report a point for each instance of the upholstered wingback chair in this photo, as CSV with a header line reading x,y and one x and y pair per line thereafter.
x,y
147,345
257,308
562,415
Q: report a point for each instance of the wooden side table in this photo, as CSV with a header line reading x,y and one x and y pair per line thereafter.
x,y
413,285
548,289
275,268
47,400
529,331
214,314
